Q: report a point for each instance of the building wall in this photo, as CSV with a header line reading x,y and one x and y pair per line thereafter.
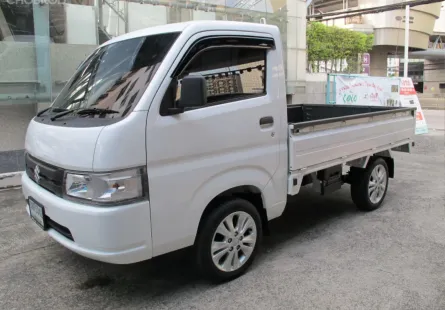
x,y
14,120
80,24
316,88
434,75
389,26
439,27
295,50
40,56
389,35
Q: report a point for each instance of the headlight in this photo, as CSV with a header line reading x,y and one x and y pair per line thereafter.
x,y
106,187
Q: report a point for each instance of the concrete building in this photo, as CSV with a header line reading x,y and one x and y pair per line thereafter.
x,y
426,42
43,42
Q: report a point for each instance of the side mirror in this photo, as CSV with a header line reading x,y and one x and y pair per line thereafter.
x,y
193,92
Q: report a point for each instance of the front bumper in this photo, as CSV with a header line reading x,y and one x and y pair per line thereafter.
x,y
119,235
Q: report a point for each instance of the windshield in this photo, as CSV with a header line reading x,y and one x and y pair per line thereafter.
x,y
115,76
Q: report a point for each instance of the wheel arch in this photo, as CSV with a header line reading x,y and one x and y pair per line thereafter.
x,y
247,182
360,164
251,193
387,157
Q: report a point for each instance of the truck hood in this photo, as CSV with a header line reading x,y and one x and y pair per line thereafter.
x,y
110,147
62,146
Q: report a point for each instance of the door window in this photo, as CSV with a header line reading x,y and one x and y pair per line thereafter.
x,y
231,73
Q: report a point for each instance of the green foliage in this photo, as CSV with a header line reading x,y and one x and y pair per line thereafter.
x,y
326,43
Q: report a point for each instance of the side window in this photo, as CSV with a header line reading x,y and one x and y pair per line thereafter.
x,y
231,73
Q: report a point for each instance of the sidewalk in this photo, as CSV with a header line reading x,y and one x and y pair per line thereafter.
x,y
435,119
12,179
432,103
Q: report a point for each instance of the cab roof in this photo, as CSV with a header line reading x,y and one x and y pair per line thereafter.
x,y
196,26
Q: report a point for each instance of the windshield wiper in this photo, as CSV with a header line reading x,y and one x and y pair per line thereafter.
x,y
87,111
96,111
51,110
61,114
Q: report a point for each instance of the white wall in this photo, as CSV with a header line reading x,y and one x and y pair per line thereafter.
x,y
145,15
111,22
80,24
440,22
201,15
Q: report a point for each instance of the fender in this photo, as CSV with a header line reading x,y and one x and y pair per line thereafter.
x,y
226,180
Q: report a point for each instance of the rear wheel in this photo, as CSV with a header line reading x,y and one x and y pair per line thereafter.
x,y
369,186
228,241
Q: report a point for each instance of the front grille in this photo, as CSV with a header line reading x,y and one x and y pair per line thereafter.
x,y
49,177
59,228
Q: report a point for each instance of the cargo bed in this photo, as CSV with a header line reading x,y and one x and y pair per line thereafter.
x,y
322,136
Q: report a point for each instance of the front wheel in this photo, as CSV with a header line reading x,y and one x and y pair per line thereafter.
x,y
369,187
228,241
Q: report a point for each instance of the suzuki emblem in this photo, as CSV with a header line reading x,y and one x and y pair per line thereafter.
x,y
37,174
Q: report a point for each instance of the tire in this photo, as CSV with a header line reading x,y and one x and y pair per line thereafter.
x,y
364,198
223,244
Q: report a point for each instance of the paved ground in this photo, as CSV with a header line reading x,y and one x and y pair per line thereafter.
x,y
322,254
437,103
435,119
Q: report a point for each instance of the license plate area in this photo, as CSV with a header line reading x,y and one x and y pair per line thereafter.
x,y
37,213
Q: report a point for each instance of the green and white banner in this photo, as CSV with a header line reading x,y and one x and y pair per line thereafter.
x,y
379,91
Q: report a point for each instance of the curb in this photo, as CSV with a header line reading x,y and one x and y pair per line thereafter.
x,y
11,179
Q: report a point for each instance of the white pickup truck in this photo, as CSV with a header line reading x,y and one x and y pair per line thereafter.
x,y
180,135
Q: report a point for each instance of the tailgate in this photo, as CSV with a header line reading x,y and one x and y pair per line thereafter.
x,y
318,142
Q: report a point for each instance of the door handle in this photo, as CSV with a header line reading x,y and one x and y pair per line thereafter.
x,y
266,121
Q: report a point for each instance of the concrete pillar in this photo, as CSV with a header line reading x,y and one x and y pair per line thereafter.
x,y
296,50
42,46
379,60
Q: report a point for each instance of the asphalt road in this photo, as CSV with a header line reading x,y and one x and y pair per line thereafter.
x,y
322,254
